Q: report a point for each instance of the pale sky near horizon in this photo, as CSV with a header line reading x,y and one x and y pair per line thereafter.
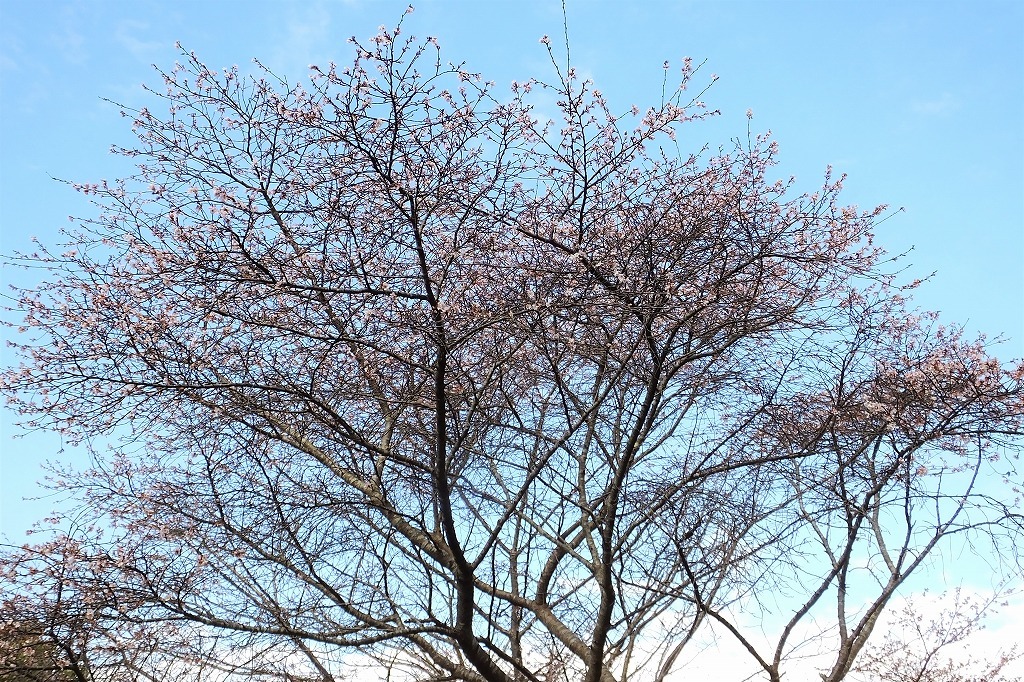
x,y
921,103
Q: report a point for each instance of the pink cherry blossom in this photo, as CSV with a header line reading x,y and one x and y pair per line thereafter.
x,y
385,368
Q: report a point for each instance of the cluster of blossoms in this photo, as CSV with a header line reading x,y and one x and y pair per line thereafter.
x,y
403,370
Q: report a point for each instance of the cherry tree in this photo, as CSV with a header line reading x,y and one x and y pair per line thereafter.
x,y
922,648
383,370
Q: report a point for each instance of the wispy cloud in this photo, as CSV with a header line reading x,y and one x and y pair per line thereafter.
x,y
66,36
306,37
10,51
129,34
936,106
26,79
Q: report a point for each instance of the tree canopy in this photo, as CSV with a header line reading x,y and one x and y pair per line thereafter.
x,y
386,369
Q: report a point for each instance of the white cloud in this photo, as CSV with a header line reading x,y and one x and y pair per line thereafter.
x,y
128,34
305,41
716,655
936,106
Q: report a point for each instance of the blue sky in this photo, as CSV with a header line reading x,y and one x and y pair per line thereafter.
x,y
922,103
